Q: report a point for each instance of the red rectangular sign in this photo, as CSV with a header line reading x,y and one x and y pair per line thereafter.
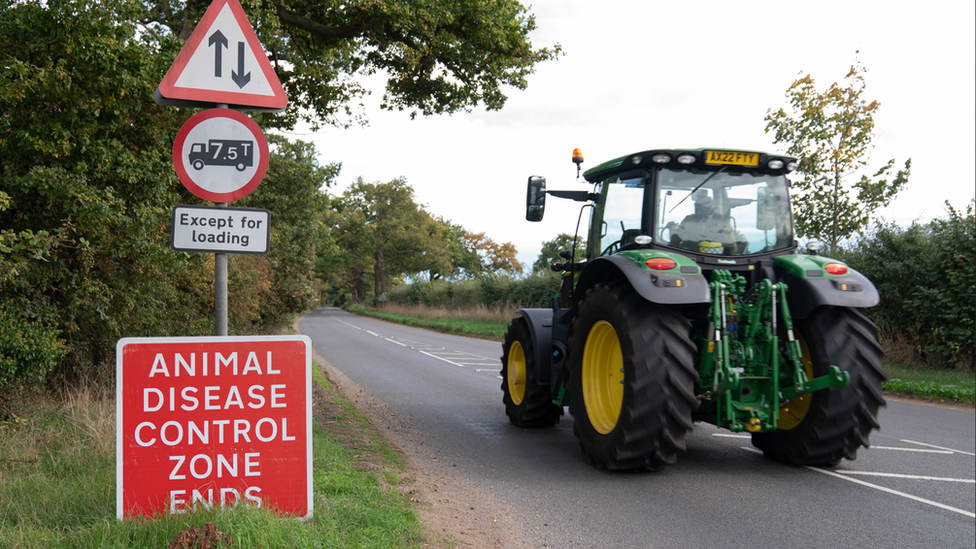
x,y
212,422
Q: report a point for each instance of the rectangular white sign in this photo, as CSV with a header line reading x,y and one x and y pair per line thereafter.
x,y
221,230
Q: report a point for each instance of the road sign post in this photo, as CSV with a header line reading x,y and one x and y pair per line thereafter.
x,y
216,422
221,65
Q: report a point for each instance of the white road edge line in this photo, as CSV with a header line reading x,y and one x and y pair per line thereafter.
x,y
726,435
919,450
397,342
911,477
895,492
939,447
444,359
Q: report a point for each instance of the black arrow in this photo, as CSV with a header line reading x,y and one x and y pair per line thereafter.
x,y
219,39
241,81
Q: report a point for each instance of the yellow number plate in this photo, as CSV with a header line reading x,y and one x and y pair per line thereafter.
x,y
732,158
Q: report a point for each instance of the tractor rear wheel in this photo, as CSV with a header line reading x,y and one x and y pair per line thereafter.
x,y
527,403
631,378
823,427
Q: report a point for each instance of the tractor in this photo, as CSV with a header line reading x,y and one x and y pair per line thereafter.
x,y
692,302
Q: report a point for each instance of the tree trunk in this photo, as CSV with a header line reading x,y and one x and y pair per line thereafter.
x,y
379,276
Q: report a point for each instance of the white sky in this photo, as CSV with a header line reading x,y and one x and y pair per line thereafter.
x,y
639,75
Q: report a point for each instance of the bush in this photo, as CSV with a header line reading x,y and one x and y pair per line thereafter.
x,y
926,275
490,291
29,350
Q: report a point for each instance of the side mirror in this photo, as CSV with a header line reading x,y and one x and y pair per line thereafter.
x,y
535,198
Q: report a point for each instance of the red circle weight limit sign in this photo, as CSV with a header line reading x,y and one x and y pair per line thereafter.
x,y
220,155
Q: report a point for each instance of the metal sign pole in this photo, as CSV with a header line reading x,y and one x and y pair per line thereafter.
x,y
220,288
220,282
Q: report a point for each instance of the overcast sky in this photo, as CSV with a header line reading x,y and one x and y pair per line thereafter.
x,y
642,74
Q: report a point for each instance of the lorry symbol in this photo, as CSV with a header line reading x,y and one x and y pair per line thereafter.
x,y
222,152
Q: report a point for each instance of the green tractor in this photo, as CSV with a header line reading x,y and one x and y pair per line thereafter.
x,y
691,303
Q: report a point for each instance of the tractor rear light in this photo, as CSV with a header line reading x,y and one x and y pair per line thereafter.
x,y
661,158
775,164
835,268
686,159
792,166
660,264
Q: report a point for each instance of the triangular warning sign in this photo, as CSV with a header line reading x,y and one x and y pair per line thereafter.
x,y
222,62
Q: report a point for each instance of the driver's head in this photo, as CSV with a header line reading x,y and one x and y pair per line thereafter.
x,y
703,202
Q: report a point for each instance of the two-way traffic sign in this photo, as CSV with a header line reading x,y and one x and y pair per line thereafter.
x,y
222,63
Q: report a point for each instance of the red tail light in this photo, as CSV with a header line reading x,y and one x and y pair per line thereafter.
x,y
835,268
660,264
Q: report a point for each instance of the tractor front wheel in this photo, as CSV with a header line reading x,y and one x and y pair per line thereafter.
x,y
823,427
527,403
631,379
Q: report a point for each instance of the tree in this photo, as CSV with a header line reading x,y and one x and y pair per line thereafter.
x,y
551,248
440,56
383,232
832,134
88,190
495,258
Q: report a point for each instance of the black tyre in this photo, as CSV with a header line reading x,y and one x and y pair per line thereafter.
x,y
527,403
823,427
631,379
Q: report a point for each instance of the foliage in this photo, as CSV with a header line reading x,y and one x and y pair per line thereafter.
x,y
532,291
926,275
551,249
935,391
382,232
439,56
88,190
29,350
832,134
292,192
494,258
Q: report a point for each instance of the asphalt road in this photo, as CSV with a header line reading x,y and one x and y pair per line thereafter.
x,y
913,488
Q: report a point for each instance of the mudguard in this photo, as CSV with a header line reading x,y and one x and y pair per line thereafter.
x,y
683,285
540,328
811,287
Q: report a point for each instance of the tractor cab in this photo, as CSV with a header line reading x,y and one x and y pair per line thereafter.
x,y
720,207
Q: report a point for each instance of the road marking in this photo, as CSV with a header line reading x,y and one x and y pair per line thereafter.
x,y
895,492
394,341
350,325
444,359
726,435
939,447
910,450
911,477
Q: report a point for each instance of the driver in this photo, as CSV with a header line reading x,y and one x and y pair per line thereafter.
x,y
706,225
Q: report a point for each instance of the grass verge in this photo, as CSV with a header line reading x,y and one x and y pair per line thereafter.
x,y
57,486
939,385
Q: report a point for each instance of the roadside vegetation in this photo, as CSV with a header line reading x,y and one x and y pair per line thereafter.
x,y
57,484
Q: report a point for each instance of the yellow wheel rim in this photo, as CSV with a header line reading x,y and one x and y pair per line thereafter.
x,y
516,373
796,408
602,377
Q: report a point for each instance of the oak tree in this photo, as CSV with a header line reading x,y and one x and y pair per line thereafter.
x,y
438,56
